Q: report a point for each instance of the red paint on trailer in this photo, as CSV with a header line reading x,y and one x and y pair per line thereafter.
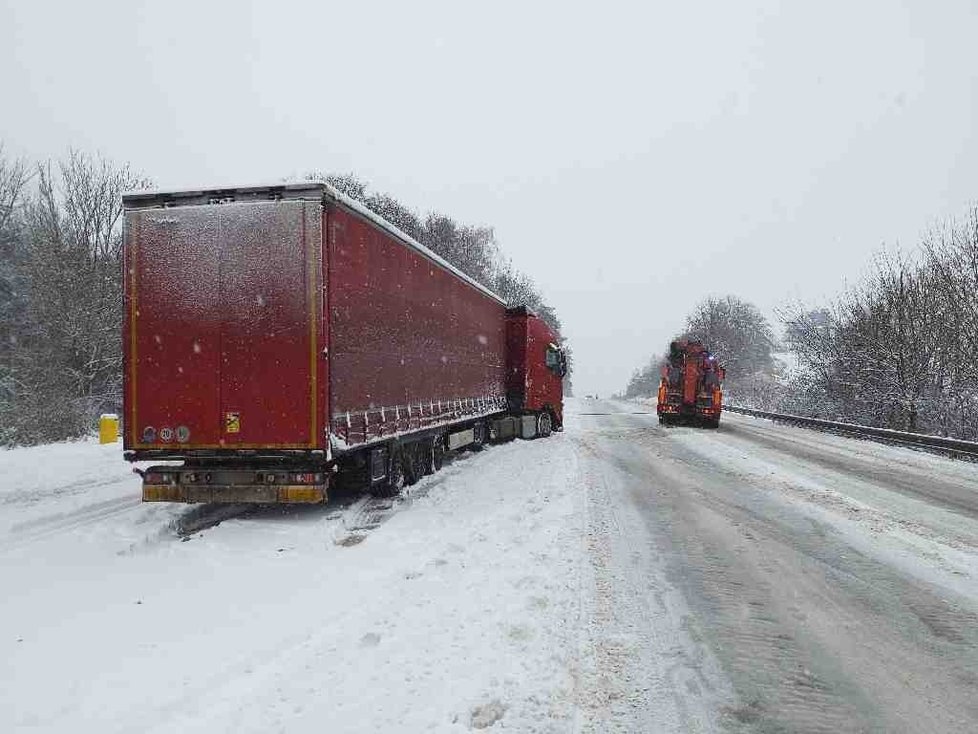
x,y
222,326
411,343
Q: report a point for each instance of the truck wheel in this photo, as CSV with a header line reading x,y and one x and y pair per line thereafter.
x,y
544,425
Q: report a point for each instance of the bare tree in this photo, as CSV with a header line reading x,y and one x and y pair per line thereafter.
x,y
13,180
736,332
898,349
68,363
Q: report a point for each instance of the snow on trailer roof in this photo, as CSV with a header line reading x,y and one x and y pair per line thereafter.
x,y
293,190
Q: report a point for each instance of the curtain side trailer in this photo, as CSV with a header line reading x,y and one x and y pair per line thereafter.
x,y
280,339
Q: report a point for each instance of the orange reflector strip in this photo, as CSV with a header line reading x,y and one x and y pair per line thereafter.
x,y
162,493
301,494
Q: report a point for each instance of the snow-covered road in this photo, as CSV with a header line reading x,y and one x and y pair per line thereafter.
x,y
620,576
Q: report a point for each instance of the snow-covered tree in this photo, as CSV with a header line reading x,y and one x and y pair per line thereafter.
x,y
66,364
898,349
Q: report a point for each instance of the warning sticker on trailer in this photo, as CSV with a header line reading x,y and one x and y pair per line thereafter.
x,y
232,422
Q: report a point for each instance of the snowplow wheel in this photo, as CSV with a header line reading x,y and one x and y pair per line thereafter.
x,y
544,425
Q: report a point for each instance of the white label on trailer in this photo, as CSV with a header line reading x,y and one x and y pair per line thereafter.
x,y
462,438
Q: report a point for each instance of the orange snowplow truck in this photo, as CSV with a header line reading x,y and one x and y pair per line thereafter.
x,y
690,389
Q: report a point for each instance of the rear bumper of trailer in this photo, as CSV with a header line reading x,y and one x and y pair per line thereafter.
x,y
298,494
271,485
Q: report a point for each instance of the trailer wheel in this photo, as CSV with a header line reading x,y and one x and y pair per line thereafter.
x,y
412,460
438,453
396,478
545,424
480,434
427,449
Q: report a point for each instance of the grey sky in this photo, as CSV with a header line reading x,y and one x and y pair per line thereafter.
x,y
633,157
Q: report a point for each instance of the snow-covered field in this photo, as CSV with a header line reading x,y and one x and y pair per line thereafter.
x,y
457,611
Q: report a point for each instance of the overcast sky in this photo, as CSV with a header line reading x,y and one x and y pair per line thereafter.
x,y
633,157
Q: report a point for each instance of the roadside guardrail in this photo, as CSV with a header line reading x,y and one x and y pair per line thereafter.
x,y
938,444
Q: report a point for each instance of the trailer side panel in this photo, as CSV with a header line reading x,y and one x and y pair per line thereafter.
x,y
412,345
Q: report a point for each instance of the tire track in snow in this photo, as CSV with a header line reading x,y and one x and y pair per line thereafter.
x,y
37,529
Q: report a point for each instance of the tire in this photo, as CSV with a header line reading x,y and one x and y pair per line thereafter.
x,y
428,457
480,434
396,477
438,454
545,425
412,459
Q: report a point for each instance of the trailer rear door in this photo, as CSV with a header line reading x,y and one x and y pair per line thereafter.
x,y
223,325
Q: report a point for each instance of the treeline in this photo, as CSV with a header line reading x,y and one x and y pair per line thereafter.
x,y
897,350
61,286
60,295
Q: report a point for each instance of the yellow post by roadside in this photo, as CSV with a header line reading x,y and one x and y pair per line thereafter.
x,y
108,428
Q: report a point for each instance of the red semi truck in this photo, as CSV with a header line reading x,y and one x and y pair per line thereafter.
x,y
690,388
280,339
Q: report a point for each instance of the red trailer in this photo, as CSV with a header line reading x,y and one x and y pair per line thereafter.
x,y
282,338
690,388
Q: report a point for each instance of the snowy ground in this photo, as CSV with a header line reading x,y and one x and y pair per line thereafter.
x,y
460,608
620,576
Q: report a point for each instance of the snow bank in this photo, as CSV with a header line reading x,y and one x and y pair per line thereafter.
x,y
457,612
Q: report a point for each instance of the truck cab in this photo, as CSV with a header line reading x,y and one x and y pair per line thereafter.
x,y
536,366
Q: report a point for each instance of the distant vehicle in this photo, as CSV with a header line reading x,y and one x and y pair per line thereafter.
x,y
280,339
691,385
